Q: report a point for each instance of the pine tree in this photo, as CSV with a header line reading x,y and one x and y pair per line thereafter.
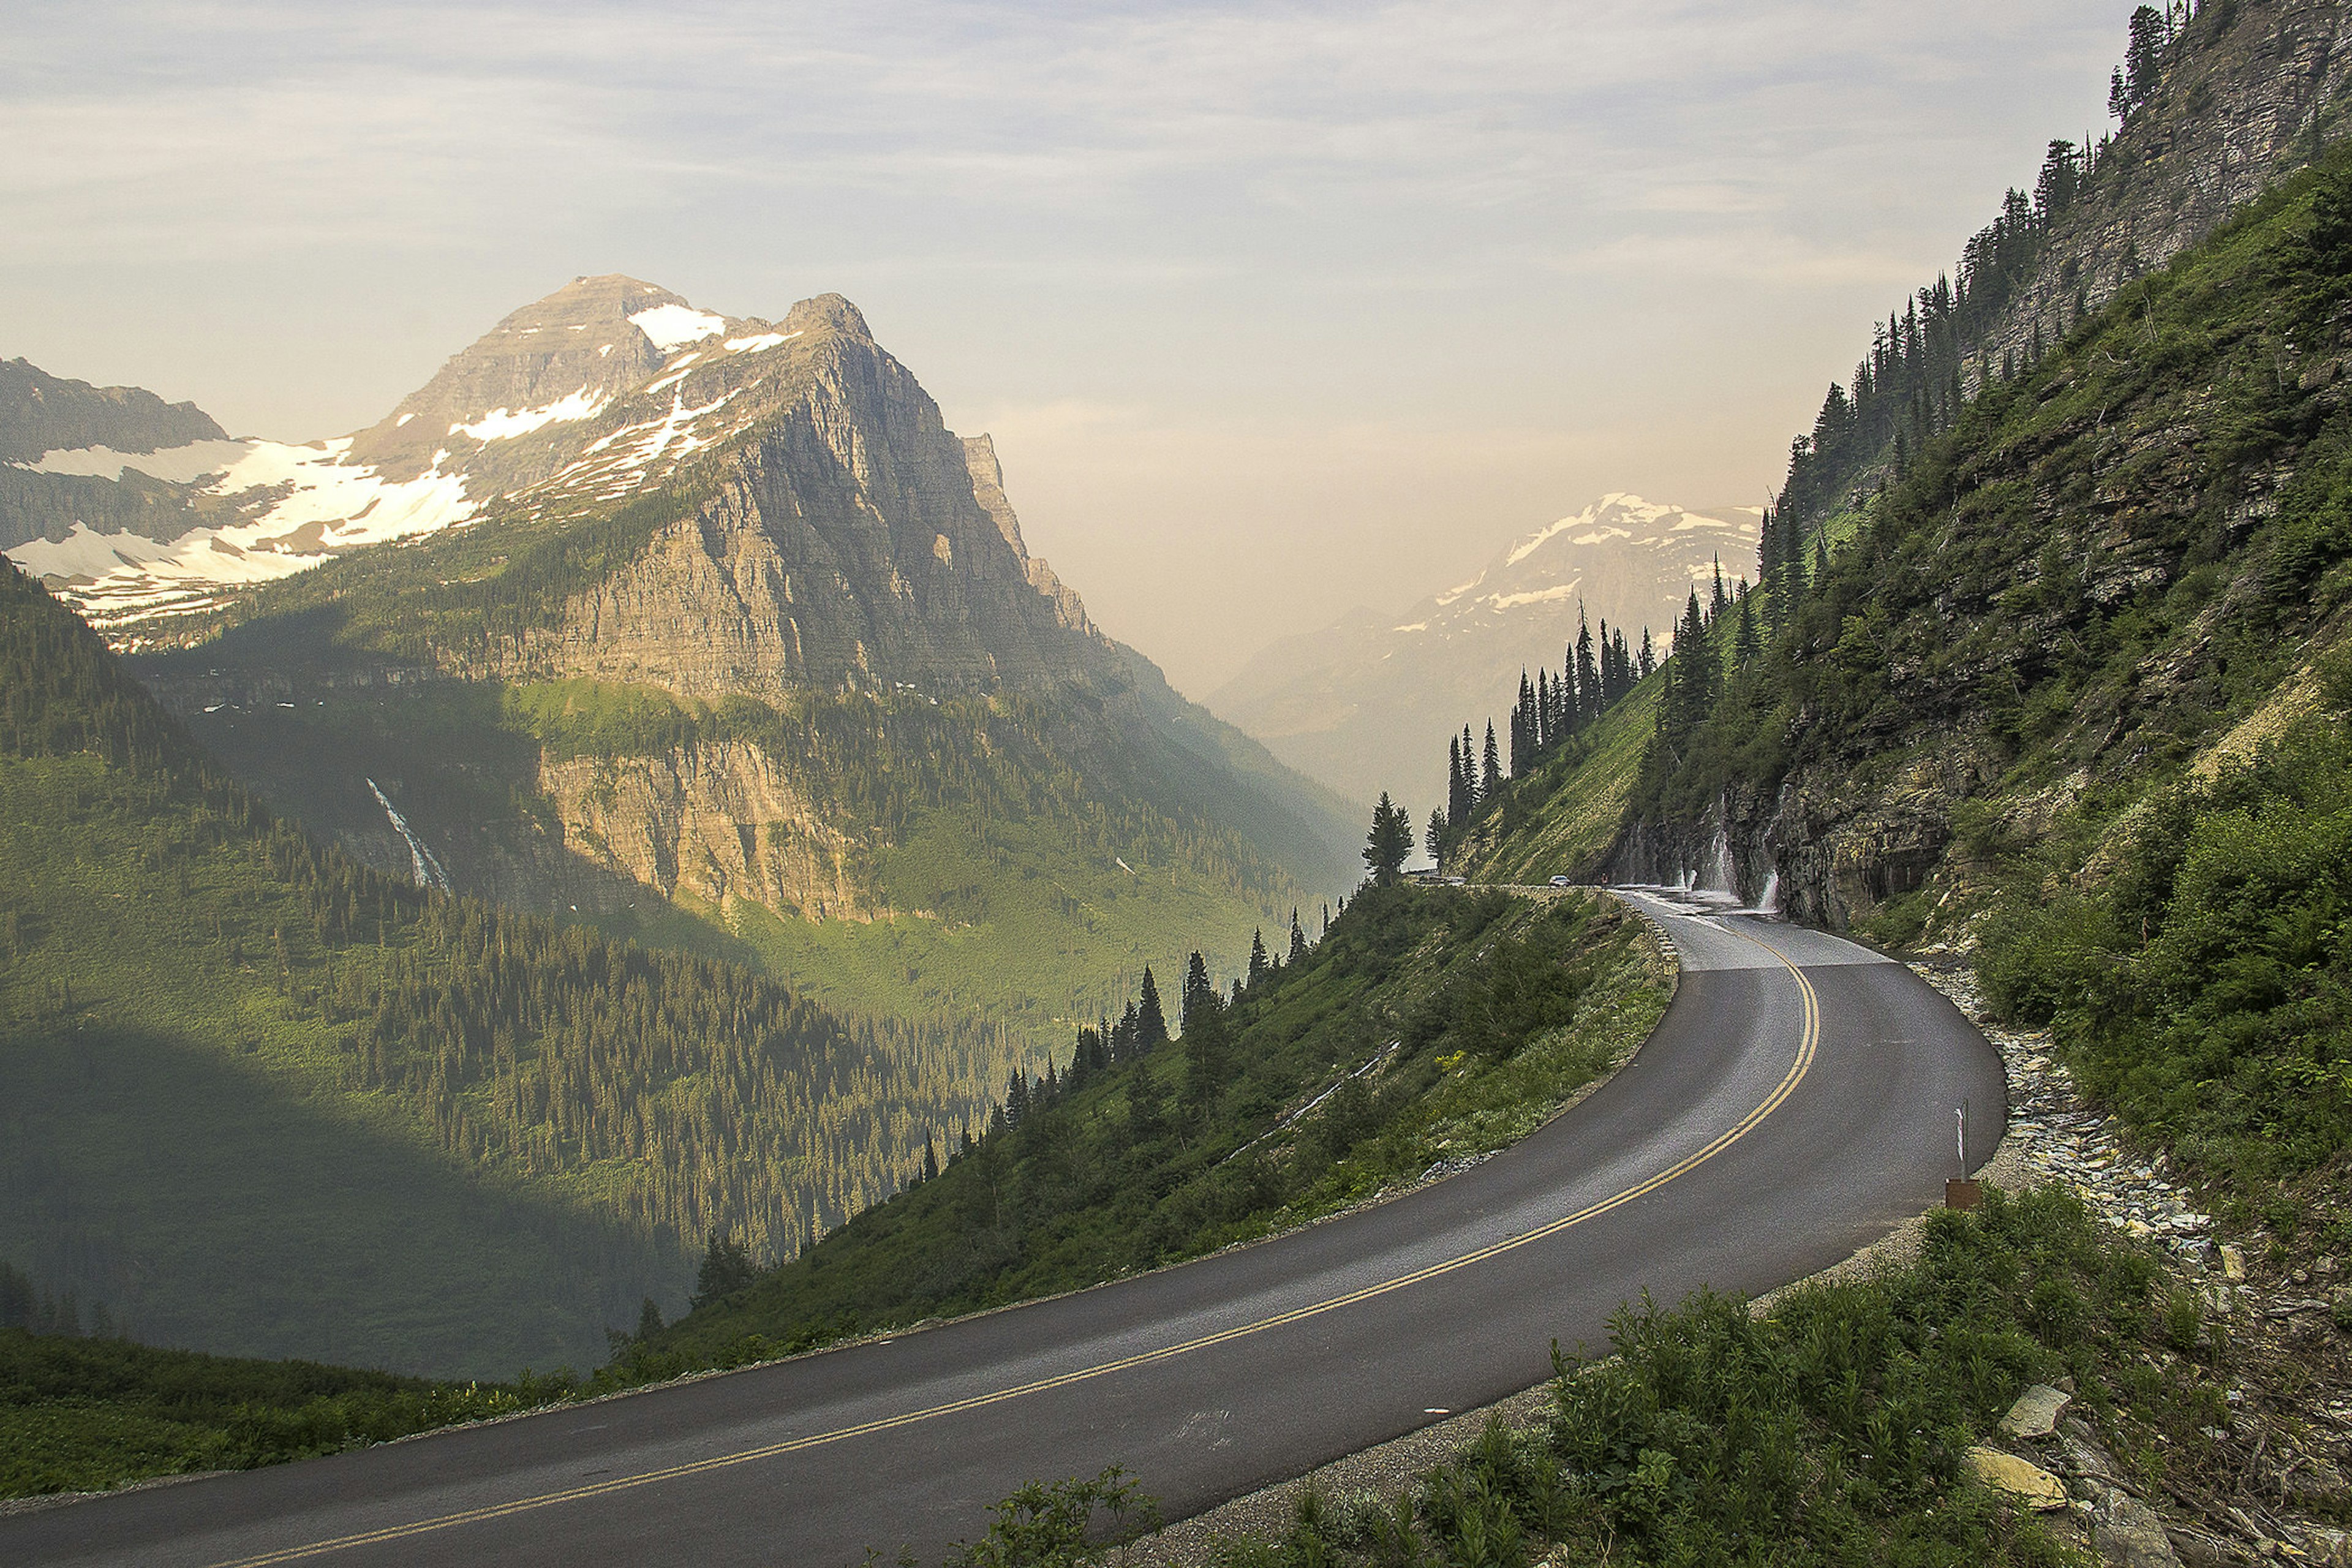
x,y
1649,655
1747,646
930,1158
1297,938
1587,674
649,1320
1433,839
1258,963
1150,1023
1390,843
1490,770
1522,713
1205,1036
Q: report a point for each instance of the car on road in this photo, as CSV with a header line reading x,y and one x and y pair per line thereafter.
x,y
1560,882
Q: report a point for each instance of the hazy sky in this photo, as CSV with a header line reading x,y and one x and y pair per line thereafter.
x,y
1273,310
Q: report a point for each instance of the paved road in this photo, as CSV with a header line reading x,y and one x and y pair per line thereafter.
x,y
1793,1105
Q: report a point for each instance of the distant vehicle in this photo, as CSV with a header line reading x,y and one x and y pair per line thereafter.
x,y
1457,881
1561,882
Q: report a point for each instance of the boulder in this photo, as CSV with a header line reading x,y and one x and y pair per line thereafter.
x,y
2129,1534
2027,1482
2036,1412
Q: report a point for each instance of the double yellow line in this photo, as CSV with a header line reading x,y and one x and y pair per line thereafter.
x,y
1808,1043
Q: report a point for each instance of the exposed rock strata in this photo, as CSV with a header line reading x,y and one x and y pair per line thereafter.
x,y
717,820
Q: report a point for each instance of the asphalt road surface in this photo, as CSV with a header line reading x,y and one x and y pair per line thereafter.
x,y
1795,1103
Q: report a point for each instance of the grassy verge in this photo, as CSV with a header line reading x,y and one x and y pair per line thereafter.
x,y
1833,1430
83,1414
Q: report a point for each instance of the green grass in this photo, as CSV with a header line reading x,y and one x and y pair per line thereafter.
x,y
2196,962
1012,918
1477,1014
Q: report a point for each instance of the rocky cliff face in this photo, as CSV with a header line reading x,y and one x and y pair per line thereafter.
x,y
2255,90
40,413
849,540
719,821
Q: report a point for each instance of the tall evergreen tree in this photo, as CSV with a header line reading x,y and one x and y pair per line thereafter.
x,y
1204,1036
1522,716
1649,655
1587,674
1390,843
727,1268
1490,770
1150,1022
1433,839
1297,939
1460,786
1258,962
1746,645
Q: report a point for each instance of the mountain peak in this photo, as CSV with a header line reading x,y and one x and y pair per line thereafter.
x,y
830,311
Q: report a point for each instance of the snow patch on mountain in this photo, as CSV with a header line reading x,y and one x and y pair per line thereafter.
x,y
179,464
1367,705
675,326
500,423
299,506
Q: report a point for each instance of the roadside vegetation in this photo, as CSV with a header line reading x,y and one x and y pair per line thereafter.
x,y
1833,1428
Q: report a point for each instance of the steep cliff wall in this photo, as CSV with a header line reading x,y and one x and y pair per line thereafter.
x,y
2255,90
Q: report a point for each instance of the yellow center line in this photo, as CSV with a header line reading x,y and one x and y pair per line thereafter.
x,y
1808,1043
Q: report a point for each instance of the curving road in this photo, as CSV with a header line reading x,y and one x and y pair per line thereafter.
x,y
1793,1105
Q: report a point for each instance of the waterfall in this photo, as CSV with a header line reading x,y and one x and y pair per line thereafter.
x,y
429,873
1720,875
1770,900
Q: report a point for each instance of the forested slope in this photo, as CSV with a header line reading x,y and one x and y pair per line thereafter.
x,y
1427,1025
261,1098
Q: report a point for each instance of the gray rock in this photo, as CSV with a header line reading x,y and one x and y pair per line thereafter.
x,y
2035,1414
2129,1534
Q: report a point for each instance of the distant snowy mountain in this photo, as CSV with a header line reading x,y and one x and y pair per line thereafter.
x,y
1366,704
140,512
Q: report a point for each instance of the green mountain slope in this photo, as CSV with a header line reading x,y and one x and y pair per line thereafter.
x,y
1426,1025
264,1100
